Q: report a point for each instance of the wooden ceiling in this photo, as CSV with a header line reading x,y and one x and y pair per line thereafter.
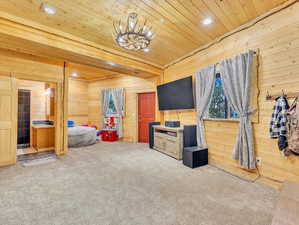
x,y
90,73
180,33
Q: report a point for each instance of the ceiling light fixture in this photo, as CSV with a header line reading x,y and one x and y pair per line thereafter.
x,y
74,74
207,21
111,63
48,9
146,50
133,36
48,92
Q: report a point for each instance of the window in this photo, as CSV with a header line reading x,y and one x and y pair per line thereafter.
x,y
219,107
111,107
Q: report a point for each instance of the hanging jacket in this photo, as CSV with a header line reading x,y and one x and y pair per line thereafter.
x,y
278,124
293,127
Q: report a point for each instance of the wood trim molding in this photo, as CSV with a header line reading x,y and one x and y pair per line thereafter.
x,y
245,26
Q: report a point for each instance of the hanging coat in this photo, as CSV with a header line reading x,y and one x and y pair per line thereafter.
x,y
278,125
293,127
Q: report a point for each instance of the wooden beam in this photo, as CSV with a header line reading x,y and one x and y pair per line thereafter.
x,y
26,39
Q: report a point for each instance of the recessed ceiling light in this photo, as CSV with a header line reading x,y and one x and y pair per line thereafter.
x,y
48,91
74,74
207,21
48,9
111,63
162,20
146,50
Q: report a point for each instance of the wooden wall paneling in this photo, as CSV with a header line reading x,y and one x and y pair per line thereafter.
x,y
78,101
28,67
8,120
38,97
59,126
276,38
132,85
14,114
25,71
65,101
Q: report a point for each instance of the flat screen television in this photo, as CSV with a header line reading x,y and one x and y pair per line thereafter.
x,y
176,95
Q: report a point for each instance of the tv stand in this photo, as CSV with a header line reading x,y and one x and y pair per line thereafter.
x,y
169,140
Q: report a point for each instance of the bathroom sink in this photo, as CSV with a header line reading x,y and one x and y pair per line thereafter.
x,y
42,122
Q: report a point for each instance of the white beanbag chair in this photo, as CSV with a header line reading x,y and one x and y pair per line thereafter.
x,y
81,136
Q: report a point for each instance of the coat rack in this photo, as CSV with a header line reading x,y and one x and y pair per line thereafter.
x,y
283,93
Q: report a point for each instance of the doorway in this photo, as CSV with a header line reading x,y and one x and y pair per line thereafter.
x,y
36,118
24,97
146,114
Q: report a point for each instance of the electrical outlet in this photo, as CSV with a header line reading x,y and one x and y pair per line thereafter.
x,y
258,161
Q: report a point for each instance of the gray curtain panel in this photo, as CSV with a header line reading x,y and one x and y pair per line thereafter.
x,y
118,99
236,79
105,101
205,81
105,104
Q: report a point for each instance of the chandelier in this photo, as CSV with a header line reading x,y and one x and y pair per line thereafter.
x,y
133,36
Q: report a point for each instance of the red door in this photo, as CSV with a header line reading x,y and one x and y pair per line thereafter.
x,y
146,114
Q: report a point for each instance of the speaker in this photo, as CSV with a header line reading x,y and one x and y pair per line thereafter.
x,y
190,136
151,133
172,124
194,156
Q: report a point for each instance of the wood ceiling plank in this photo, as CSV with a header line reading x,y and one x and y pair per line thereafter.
x,y
262,6
123,12
176,18
164,31
213,6
168,25
204,12
249,8
196,19
231,10
89,73
23,39
91,20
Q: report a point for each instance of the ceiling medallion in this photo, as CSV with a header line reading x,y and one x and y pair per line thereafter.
x,y
133,36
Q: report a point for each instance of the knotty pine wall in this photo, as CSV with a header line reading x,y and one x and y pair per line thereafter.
x,y
38,98
277,38
33,68
78,101
133,86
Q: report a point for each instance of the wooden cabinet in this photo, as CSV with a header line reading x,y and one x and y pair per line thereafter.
x,y
169,140
43,137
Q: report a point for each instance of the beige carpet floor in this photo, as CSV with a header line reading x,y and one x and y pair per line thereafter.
x,y
128,184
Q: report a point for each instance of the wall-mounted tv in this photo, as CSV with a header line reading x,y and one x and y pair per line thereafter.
x,y
176,95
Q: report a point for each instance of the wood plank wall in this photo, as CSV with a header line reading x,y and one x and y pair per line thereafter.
x,y
38,98
132,85
33,68
277,38
29,67
78,101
